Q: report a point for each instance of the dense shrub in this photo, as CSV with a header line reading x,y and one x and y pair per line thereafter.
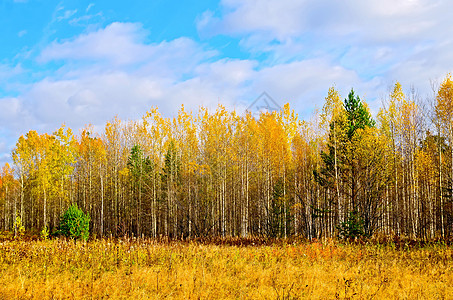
x,y
75,224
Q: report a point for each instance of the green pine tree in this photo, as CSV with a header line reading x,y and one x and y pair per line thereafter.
x,y
357,114
340,161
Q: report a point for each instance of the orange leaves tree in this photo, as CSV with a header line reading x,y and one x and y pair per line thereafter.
x,y
8,188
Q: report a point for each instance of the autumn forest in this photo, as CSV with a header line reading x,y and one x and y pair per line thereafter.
x,y
221,173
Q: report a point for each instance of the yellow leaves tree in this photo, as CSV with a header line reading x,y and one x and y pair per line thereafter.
x,y
34,156
62,157
444,118
91,169
22,157
245,151
215,137
444,105
373,176
400,123
274,153
113,145
333,119
187,136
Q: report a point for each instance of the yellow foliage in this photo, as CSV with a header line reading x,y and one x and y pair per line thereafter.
x,y
124,172
444,106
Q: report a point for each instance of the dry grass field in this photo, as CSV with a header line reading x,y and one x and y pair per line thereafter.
x,y
131,269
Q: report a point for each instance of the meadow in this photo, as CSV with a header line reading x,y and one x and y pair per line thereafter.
x,y
223,269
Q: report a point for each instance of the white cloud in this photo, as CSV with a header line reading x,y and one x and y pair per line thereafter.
x,y
304,84
96,97
7,71
376,19
264,25
123,44
118,43
113,71
67,14
22,33
10,107
88,20
90,6
382,41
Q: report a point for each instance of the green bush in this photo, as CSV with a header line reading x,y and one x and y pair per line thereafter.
x,y
75,224
352,228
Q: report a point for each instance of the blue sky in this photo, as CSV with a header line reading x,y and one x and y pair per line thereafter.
x,y
82,62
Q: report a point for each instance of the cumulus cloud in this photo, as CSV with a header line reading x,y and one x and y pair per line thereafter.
x,y
382,41
114,71
304,84
8,71
118,43
10,107
376,19
123,45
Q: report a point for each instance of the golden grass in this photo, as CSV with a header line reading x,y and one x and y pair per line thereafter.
x,y
128,269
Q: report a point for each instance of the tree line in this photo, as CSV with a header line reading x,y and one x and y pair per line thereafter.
x,y
218,173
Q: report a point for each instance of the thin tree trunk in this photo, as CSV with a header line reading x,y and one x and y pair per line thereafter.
x,y
102,201
440,185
